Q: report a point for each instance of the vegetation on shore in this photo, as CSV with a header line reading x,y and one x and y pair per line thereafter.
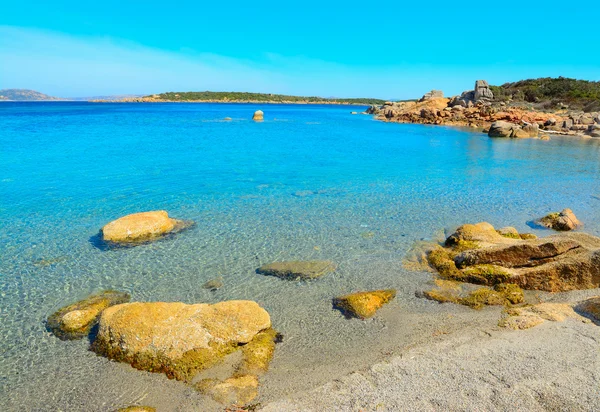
x,y
552,92
254,97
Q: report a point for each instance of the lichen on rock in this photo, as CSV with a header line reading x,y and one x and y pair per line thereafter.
x,y
76,320
363,305
177,339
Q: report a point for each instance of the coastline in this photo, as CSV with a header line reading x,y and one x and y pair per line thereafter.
x,y
231,102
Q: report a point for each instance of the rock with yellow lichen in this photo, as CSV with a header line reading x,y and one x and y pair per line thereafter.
x,y
76,320
141,227
363,304
181,340
464,294
480,254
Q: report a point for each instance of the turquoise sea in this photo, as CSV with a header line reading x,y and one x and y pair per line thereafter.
x,y
310,182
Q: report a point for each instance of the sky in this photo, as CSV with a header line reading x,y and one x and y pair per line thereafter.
x,y
386,49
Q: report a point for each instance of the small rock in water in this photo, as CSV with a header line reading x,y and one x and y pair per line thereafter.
x,y
294,270
237,390
141,227
303,193
258,116
214,284
75,321
562,221
367,235
227,118
363,305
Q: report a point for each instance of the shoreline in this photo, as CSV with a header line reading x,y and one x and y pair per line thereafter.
x,y
489,369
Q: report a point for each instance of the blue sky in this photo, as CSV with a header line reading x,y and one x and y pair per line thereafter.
x,y
379,49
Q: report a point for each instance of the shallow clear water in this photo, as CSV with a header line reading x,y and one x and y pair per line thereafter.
x,y
310,182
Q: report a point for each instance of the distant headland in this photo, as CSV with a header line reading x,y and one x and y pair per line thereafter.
x,y
245,97
528,108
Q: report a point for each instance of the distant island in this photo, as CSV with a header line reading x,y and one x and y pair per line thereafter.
x,y
245,97
24,95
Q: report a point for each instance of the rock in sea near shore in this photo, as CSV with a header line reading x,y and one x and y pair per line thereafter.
x,y
141,227
75,321
555,263
181,340
298,270
136,408
561,221
258,116
363,305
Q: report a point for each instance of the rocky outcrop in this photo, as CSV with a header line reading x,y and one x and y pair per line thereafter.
x,y
298,270
477,108
482,91
75,321
590,308
555,263
481,94
561,221
433,94
505,129
141,227
363,305
181,340
258,116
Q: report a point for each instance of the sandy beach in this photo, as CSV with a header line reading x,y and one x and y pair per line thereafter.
x,y
552,367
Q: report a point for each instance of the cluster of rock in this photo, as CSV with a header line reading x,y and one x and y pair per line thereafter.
x,y
182,340
481,94
480,254
177,339
477,108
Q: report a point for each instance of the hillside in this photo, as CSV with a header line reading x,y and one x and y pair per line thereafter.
x,y
24,95
552,93
253,97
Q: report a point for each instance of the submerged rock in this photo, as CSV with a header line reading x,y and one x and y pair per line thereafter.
x,y
214,284
258,116
555,263
561,221
237,390
363,305
293,270
530,316
476,298
75,321
141,227
181,340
